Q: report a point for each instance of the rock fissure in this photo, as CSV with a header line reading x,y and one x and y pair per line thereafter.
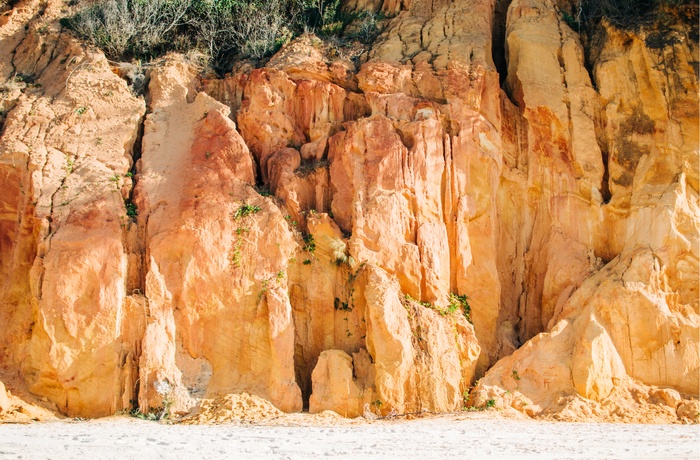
x,y
498,40
136,228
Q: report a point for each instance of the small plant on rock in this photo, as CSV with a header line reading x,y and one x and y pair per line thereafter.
x,y
245,210
167,394
131,210
341,306
310,244
236,255
263,191
263,289
116,180
409,298
339,253
70,164
460,301
465,399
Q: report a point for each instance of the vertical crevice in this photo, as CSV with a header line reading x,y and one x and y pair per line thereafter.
x,y
135,245
588,65
302,371
498,39
303,362
135,225
600,124
593,38
605,184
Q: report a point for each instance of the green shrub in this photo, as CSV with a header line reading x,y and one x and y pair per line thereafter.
x,y
367,26
252,28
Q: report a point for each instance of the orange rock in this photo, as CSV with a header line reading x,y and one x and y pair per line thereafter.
x,y
65,151
203,287
335,387
412,363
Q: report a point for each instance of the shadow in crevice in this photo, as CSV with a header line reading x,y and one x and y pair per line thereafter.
x,y
302,371
498,39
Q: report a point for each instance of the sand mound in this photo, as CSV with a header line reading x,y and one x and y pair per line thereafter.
x,y
634,403
14,409
233,408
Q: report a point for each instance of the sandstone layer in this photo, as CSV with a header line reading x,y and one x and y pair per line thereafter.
x,y
476,197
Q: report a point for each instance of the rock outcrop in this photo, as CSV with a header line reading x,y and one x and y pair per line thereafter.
x,y
357,236
630,325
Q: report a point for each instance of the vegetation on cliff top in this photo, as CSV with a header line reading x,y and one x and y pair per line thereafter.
x,y
629,14
227,30
659,18
144,29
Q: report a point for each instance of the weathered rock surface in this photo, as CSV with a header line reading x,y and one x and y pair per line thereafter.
x,y
304,232
66,150
630,327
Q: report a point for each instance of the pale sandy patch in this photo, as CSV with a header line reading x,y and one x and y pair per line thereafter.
x,y
302,436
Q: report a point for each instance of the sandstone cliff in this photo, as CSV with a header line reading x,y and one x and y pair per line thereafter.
x,y
306,232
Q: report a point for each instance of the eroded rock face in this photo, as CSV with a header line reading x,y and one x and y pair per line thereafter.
x,y
66,150
203,277
630,326
306,232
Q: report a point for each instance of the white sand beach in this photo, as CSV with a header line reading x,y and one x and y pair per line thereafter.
x,y
305,437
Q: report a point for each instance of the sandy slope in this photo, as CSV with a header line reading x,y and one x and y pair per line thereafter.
x,y
453,436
